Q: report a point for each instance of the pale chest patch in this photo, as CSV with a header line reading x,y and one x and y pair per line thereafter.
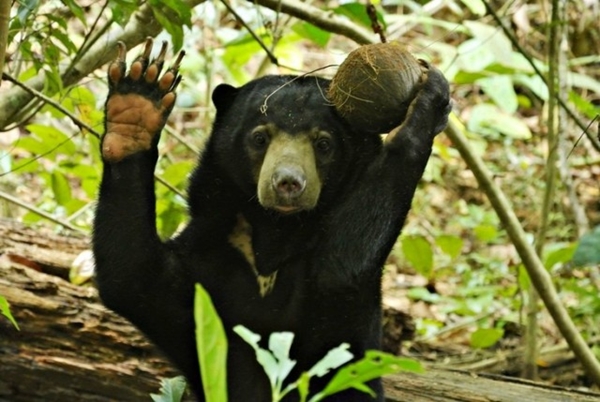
x,y
241,239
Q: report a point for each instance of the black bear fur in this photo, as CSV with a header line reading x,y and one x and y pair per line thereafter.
x,y
328,260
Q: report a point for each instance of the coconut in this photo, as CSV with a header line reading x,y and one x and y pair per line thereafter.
x,y
374,86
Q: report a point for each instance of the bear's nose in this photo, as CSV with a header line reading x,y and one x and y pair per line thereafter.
x,y
288,182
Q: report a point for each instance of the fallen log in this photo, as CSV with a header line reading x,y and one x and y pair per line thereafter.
x,y
69,347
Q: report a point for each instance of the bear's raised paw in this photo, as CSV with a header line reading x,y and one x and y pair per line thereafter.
x,y
139,102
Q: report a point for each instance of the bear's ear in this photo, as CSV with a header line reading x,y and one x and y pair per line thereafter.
x,y
223,96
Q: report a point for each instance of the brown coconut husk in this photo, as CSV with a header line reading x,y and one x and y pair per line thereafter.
x,y
374,86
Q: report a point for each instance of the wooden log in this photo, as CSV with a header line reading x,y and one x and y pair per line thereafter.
x,y
71,348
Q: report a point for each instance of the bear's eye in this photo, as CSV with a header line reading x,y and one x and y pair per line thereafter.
x,y
323,144
259,138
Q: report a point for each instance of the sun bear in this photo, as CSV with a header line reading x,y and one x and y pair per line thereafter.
x,y
292,215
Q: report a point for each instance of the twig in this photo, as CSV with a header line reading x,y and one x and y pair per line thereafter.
x,y
321,19
37,211
375,25
53,103
258,40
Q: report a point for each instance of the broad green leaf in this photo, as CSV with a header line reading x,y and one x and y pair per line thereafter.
x,y
171,390
493,39
449,244
5,310
309,31
488,119
486,337
533,82
302,385
417,251
356,12
60,187
177,173
486,233
523,277
500,89
171,24
280,344
561,254
588,249
584,105
211,343
53,139
374,365
333,359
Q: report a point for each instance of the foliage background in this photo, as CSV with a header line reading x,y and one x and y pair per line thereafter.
x,y
454,269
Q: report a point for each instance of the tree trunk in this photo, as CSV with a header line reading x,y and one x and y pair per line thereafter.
x,y
71,348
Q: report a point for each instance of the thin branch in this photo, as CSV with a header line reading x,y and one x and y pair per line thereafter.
x,y
325,20
257,38
53,103
37,211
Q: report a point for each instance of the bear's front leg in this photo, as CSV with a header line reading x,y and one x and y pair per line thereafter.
x,y
138,103
136,272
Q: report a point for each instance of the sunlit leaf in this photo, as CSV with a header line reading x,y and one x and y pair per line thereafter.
x,y
374,365
5,310
451,245
500,89
312,33
486,337
211,343
417,251
333,359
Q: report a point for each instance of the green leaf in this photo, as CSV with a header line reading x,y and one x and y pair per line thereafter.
x,y
5,310
171,390
417,251
486,233
485,337
560,254
53,138
355,12
450,245
211,343
588,249
312,33
488,119
583,105
276,363
374,365
280,344
60,187
333,359
174,28
302,385
500,89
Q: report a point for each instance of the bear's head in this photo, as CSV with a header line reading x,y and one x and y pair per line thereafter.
x,y
279,139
